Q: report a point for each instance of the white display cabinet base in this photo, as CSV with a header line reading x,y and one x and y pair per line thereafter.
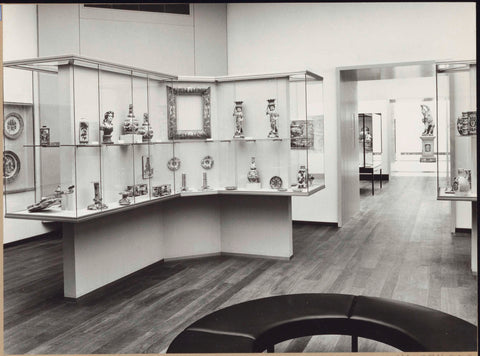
x,y
100,251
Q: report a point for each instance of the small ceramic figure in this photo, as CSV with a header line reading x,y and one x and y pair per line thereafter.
x,y
165,189
273,116
147,169
427,121
97,200
472,116
145,130
253,176
302,177
44,136
83,132
130,125
124,200
238,114
107,127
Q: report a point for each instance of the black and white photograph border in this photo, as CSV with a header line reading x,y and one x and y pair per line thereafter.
x,y
380,257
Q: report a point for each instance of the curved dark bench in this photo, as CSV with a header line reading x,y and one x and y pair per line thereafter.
x,y
258,325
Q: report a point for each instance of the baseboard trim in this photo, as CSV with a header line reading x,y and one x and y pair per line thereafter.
x,y
462,231
316,223
190,257
265,257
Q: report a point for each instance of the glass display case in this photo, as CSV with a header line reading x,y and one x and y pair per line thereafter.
x,y
370,139
107,137
457,117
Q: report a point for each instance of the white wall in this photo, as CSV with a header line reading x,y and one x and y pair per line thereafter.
x,y
322,36
168,43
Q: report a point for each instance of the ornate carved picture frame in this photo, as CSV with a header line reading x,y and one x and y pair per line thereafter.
x,y
173,132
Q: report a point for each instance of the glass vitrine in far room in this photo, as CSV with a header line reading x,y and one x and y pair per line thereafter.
x,y
370,139
94,129
457,118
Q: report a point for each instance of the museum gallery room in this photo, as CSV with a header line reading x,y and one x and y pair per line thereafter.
x,y
239,178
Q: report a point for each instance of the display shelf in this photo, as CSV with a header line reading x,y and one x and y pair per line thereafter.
x,y
138,134
456,127
57,214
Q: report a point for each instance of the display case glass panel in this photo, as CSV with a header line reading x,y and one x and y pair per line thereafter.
x,y
456,113
90,149
103,137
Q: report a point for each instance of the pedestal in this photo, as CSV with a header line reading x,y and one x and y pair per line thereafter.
x,y
253,186
131,138
427,149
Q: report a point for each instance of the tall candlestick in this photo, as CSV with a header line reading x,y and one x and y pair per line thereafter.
x,y
184,182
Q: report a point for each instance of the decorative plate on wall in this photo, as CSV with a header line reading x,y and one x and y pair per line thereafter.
x,y
11,166
13,125
173,164
207,162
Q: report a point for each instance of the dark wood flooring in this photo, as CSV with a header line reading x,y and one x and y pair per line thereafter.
x,y
399,246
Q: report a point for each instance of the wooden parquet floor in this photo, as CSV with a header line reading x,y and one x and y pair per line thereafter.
x,y
398,246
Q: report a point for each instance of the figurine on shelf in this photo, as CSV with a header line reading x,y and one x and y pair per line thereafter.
x,y
145,130
463,181
44,136
107,127
238,114
463,124
124,200
273,116
253,176
472,116
147,169
130,125
49,201
302,177
427,121
97,200
83,132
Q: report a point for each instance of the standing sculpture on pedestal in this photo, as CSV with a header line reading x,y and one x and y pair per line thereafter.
x,y
107,127
427,136
427,121
238,114
273,116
